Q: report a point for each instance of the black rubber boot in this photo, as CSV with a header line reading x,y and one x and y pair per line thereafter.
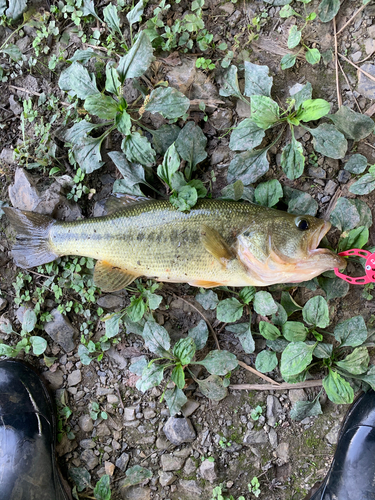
x,y
352,472
28,468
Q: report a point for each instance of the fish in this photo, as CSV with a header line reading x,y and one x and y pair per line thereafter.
x,y
216,243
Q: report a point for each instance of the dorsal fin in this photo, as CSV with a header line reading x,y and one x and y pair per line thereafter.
x,y
216,245
110,278
118,201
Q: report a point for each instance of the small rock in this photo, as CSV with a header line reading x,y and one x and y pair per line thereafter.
x,y
325,199
74,378
109,468
255,437
23,193
243,110
90,459
184,452
15,106
86,424
3,303
87,444
228,8
129,91
189,467
297,395
330,188
162,443
129,413
190,486
282,452
110,301
117,358
273,410
179,430
369,46
112,399
333,434
234,18
207,471
166,478
356,56
272,436
7,155
103,430
61,330
170,462
189,407
181,77
366,87
371,31
317,172
122,461
135,492
149,413
219,155
54,379
221,119
343,176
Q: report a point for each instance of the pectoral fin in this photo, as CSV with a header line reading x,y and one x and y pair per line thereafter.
x,y
110,278
215,244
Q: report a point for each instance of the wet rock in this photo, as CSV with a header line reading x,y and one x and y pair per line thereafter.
x,y
190,487
207,471
297,395
317,172
90,459
23,193
366,87
54,379
221,119
135,493
170,462
3,303
15,106
166,478
273,410
110,301
282,452
343,176
61,330
74,378
189,407
333,434
117,358
330,188
255,437
179,430
122,461
86,424
181,77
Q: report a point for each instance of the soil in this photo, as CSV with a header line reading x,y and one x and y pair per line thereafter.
x,y
287,457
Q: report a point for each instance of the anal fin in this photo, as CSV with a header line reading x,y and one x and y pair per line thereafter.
x,y
215,244
111,278
204,284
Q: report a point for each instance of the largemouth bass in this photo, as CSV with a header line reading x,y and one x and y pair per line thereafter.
x,y
216,243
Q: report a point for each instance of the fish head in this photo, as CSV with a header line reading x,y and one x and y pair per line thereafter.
x,y
283,248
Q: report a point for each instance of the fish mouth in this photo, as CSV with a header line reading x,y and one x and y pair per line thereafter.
x,y
325,253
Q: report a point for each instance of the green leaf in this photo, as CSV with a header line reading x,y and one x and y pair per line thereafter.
x,y
351,332
264,111
289,304
247,135
156,338
286,12
123,123
294,37
280,317
266,361
243,332
138,366
345,216
294,331
79,131
133,174
248,167
199,334
264,304
268,330
134,16
184,350
322,350
312,56
78,81
39,345
175,399
356,238
365,185
305,94
304,409
207,299
135,475
153,300
328,9
138,150
356,362
315,312
313,109
102,106
112,325
369,377
292,160
356,164
247,294
13,52
364,213
229,310
87,154
102,490
185,199
277,345
213,388
169,102
337,388
334,287
170,165
83,56
111,18
178,376
229,85
288,61
137,61
112,81
191,144
29,320
151,377
295,359
300,202
219,362
88,9
81,477
164,137
329,141
257,81
268,193
136,309
353,125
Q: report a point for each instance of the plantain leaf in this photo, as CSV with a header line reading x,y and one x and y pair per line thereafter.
x,y
329,141
257,81
229,85
138,150
248,167
137,60
328,9
169,102
353,125
247,135
78,81
292,159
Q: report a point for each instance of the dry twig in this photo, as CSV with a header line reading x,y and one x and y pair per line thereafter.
x,y
339,98
350,20
357,67
272,387
259,374
348,84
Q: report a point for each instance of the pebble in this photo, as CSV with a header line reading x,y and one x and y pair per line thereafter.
x,y
255,437
86,424
90,459
7,155
282,453
54,379
272,436
330,188
112,399
87,444
170,462
189,467
297,395
61,330
23,193
135,492
74,378
208,471
3,303
366,87
110,302
273,410
190,486
181,77
356,56
317,172
343,176
221,119
166,478
149,413
129,413
179,430
332,436
122,461
189,407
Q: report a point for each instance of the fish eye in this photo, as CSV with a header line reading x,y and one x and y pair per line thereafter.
x,y
302,224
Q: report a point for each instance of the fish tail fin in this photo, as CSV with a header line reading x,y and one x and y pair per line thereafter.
x,y
32,247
